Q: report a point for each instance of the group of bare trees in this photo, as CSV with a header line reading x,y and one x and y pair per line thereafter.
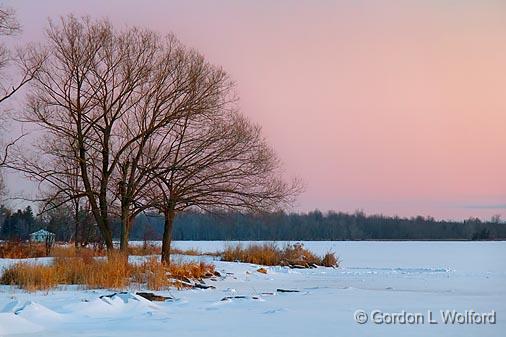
x,y
131,121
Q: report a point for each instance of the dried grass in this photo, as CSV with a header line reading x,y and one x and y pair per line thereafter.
x,y
330,260
113,272
269,254
25,250
21,250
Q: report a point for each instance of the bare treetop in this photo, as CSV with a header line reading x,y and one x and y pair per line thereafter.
x,y
9,25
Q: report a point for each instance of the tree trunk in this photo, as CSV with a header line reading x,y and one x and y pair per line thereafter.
x,y
126,222
167,233
76,220
102,196
99,211
107,236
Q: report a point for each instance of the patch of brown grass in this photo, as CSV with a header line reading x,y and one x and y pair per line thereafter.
x,y
144,250
154,249
113,272
330,260
24,250
30,276
159,276
269,254
190,252
190,270
72,251
21,250
152,273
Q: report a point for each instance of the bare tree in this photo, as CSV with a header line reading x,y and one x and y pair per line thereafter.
x,y
61,103
90,79
218,161
108,94
159,99
182,86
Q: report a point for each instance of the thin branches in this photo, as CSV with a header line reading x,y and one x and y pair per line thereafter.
x,y
134,121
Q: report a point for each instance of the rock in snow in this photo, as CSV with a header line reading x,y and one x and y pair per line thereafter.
x,y
153,297
279,290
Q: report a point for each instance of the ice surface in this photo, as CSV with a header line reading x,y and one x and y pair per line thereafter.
x,y
389,276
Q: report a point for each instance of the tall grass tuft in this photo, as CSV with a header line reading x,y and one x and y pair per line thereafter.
x,y
270,254
113,272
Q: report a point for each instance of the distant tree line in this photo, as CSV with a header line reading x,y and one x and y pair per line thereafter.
x,y
315,225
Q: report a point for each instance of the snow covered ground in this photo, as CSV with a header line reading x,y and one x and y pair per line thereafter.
x,y
390,277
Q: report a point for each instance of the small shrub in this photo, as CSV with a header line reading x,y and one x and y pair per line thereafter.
x,y
297,254
330,260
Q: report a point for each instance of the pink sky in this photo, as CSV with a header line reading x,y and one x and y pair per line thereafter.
x,y
394,107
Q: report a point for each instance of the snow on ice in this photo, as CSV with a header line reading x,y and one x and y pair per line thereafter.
x,y
390,277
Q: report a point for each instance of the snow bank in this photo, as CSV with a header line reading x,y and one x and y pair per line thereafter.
x,y
11,323
389,276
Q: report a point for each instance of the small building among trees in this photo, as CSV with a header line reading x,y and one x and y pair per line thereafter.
x,y
43,236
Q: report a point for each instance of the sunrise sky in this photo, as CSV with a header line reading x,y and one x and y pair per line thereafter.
x,y
394,107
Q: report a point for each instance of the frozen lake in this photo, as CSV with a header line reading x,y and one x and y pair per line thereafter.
x,y
473,256
383,279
